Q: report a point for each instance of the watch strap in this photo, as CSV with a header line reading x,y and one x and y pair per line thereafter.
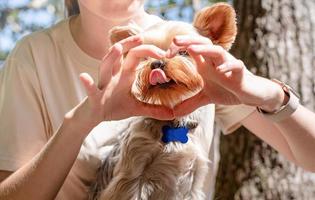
x,y
285,110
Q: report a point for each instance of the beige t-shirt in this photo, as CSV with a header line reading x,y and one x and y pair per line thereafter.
x,y
39,84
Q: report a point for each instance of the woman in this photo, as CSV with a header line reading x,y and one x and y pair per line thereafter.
x,y
53,136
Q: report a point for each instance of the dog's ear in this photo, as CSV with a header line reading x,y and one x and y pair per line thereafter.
x,y
121,32
217,23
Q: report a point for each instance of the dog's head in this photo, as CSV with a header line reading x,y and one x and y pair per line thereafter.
x,y
171,81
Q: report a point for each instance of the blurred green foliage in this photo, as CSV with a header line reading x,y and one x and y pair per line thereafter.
x,y
21,17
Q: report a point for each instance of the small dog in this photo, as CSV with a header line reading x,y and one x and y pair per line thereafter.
x,y
155,159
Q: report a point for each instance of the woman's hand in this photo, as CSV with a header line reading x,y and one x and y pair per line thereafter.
x,y
226,79
111,99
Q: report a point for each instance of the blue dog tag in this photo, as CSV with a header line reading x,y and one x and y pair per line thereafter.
x,y
174,134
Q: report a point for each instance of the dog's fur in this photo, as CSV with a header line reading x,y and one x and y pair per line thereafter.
x,y
140,165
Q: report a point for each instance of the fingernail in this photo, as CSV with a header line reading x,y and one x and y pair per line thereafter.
x,y
168,53
118,49
171,52
221,67
194,47
115,49
161,53
179,39
138,38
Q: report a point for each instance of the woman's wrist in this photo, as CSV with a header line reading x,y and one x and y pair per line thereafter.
x,y
276,100
81,119
289,104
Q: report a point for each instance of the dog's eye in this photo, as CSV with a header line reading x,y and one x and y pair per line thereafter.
x,y
183,53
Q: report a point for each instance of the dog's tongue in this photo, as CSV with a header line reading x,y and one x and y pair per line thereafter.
x,y
157,76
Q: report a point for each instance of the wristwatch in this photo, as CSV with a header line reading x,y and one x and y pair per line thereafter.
x,y
286,110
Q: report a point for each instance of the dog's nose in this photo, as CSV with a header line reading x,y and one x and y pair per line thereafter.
x,y
157,64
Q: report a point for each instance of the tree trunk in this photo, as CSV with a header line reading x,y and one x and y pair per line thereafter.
x,y
276,39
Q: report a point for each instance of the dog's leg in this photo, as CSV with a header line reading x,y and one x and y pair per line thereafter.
x,y
201,169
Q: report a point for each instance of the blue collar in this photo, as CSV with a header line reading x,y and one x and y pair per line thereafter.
x,y
174,134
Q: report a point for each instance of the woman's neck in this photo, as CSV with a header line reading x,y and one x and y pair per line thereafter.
x,y
90,31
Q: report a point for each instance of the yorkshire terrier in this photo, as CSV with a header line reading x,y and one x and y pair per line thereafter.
x,y
161,160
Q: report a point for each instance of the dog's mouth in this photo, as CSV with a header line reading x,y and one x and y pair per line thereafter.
x,y
165,85
160,79
158,76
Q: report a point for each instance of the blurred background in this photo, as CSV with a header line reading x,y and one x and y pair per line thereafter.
x,y
276,39
21,17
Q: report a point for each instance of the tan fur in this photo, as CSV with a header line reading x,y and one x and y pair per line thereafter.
x,y
149,169
121,32
140,166
218,23
187,82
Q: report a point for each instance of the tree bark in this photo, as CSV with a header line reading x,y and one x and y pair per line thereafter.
x,y
276,39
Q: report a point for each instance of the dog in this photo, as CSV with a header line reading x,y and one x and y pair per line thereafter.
x,y
160,160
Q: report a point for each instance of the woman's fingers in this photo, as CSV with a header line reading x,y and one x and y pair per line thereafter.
x,y
110,59
89,85
153,111
198,45
135,55
173,50
131,42
183,41
212,53
201,66
111,62
191,104
231,66
127,44
216,60
186,40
